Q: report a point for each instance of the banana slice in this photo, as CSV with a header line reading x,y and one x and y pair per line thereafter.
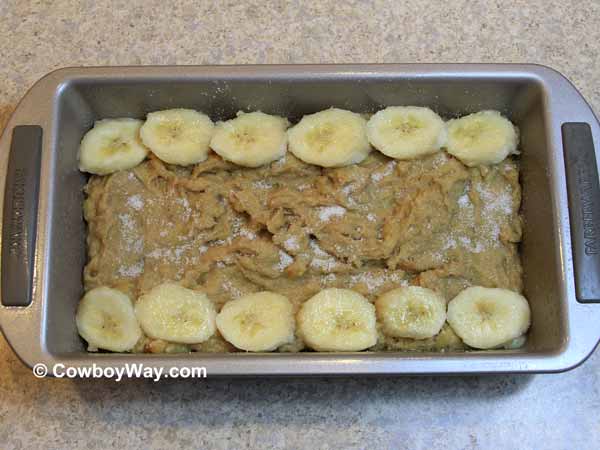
x,y
105,319
112,145
251,139
411,312
258,322
178,136
176,314
406,132
482,138
330,138
486,318
338,320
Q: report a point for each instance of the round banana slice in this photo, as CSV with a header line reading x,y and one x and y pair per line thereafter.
x,y
258,322
178,136
251,139
105,319
406,132
482,138
112,145
411,312
176,314
338,320
330,138
487,317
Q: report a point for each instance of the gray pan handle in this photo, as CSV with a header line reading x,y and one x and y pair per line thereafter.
x,y
25,147
19,215
583,188
575,134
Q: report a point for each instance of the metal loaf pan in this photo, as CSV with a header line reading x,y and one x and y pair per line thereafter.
x,y
43,232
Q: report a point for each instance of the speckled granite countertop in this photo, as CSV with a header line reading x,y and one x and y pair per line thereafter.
x,y
549,411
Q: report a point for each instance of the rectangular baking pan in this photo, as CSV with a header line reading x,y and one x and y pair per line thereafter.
x,y
43,232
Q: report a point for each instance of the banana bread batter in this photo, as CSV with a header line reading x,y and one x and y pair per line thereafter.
x,y
296,229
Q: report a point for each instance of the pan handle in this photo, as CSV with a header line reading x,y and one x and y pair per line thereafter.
x,y
574,133
25,150
583,189
20,215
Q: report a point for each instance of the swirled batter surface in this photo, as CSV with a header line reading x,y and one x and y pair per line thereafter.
x,y
295,229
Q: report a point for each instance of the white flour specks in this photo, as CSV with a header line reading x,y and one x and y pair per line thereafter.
x,y
374,281
479,223
291,244
329,278
474,247
173,255
322,259
464,201
127,222
284,260
495,202
440,158
220,242
132,240
496,207
136,202
450,243
368,279
235,292
318,251
244,232
131,271
348,189
388,170
327,212
465,241
262,184
185,204
238,229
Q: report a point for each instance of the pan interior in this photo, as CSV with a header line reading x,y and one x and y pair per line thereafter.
x,y
80,102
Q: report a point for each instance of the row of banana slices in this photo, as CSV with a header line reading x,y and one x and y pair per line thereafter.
x,y
329,138
332,320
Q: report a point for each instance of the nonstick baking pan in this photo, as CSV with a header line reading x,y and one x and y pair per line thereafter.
x,y
43,231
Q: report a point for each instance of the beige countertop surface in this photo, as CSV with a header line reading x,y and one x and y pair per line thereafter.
x,y
542,411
